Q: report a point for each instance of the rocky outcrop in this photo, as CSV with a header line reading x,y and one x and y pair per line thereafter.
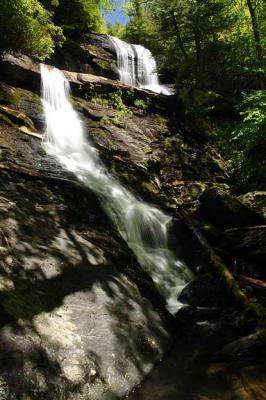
x,y
226,211
93,55
77,319
22,71
255,201
249,242
131,128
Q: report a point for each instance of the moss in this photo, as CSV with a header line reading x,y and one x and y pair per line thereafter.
x,y
102,139
97,52
149,187
103,64
4,118
25,397
147,150
162,123
141,105
105,120
18,95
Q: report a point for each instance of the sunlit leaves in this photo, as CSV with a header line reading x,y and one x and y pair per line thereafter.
x,y
27,27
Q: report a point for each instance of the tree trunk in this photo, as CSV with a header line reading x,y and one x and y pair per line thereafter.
x,y
213,258
256,31
197,39
178,36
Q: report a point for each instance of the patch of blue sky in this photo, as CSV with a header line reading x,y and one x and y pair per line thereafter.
x,y
118,15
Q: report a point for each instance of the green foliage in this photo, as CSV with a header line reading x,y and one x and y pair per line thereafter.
x,y
77,17
112,99
25,26
139,30
117,30
201,42
246,147
115,100
141,105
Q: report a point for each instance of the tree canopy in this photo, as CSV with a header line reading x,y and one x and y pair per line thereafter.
x,y
201,40
26,26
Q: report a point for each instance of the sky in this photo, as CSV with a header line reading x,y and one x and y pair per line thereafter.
x,y
118,15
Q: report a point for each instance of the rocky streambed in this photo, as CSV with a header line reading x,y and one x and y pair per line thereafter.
x,y
79,319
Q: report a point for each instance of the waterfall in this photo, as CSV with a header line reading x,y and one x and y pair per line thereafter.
x,y
142,226
137,66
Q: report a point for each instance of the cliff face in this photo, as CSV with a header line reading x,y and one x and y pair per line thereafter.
x,y
94,55
79,319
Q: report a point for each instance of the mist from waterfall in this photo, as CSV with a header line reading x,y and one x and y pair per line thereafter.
x,y
137,66
142,226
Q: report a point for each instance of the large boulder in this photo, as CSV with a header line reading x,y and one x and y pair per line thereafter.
x,y
248,242
204,291
226,211
255,201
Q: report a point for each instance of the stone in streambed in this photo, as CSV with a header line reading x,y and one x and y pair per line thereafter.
x,y
226,211
247,242
255,201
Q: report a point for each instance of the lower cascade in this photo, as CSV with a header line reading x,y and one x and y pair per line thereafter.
x,y
137,66
142,226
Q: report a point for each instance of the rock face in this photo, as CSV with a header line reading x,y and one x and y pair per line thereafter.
x,y
131,128
226,211
74,323
94,55
256,201
247,242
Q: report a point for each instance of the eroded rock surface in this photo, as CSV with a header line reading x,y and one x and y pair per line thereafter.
x,y
74,321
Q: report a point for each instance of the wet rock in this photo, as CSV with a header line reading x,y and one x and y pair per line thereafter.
x,y
101,41
193,313
256,201
226,211
22,71
204,291
75,321
91,56
249,242
252,345
23,101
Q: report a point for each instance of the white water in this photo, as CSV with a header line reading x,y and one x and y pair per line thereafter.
x,y
142,226
137,66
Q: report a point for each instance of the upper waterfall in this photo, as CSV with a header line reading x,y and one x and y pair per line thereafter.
x,y
137,66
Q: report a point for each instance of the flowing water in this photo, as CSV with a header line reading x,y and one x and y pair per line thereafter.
x,y
142,226
137,66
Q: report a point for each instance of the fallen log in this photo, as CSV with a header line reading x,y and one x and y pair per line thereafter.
x,y
254,282
213,258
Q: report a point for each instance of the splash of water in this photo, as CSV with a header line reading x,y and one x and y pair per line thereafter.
x,y
142,226
137,66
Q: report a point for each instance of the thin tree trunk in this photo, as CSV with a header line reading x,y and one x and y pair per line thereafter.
x,y
197,39
178,36
256,30
218,265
